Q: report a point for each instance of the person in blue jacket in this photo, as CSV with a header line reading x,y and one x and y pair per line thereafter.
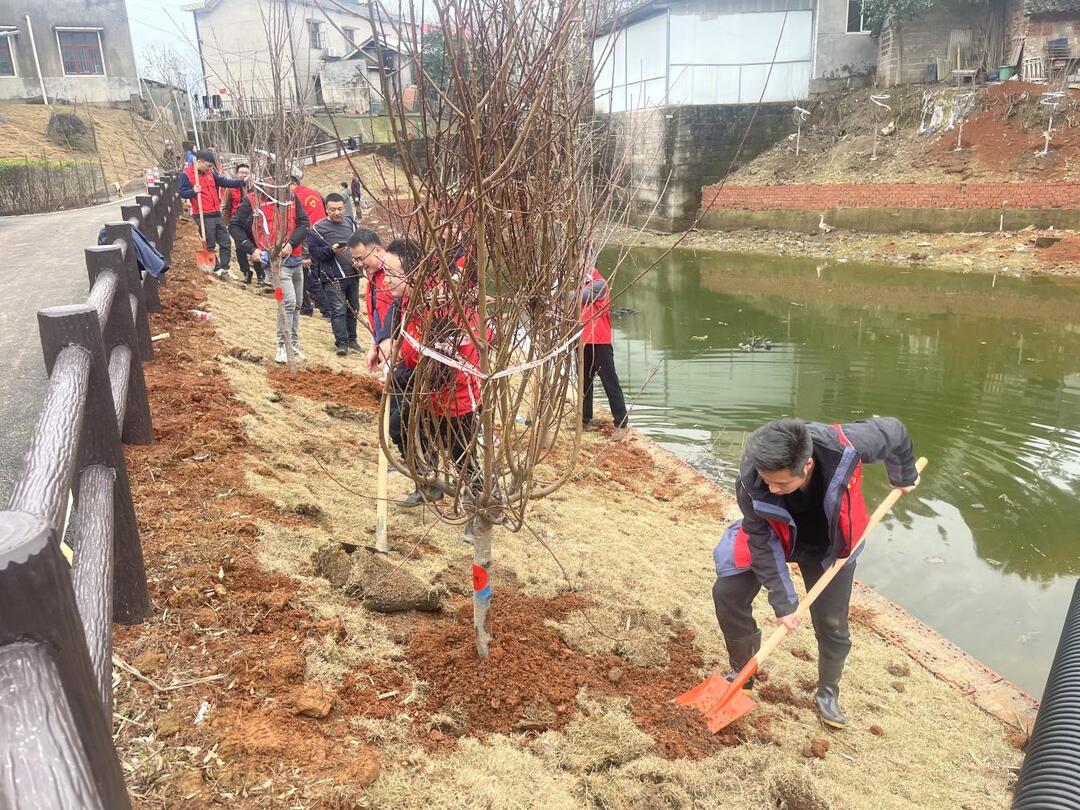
x,y
800,493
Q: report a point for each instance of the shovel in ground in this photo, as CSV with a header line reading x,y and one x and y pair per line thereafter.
x,y
721,701
205,259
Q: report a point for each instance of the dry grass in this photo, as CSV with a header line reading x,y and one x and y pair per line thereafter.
x,y
382,176
634,550
124,154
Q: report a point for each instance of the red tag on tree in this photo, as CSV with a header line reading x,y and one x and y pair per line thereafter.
x,y
479,577
279,294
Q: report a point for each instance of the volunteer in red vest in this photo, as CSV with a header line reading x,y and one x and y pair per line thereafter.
x,y
800,493
312,203
199,183
230,202
599,356
270,219
369,259
453,394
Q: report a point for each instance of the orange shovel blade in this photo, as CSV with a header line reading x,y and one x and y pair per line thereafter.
x,y
718,701
206,260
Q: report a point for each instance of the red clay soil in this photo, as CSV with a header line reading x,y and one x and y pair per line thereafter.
x,y
324,385
1065,252
1000,141
531,678
215,611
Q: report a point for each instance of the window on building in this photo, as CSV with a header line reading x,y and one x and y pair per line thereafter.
x,y
80,52
7,62
855,22
315,34
350,38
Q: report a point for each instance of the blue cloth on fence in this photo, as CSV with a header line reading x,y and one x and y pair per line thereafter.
x,y
150,261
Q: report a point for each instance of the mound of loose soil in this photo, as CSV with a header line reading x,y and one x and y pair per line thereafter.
x,y
1065,252
531,679
325,385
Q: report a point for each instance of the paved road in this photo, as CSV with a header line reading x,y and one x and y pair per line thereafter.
x,y
43,261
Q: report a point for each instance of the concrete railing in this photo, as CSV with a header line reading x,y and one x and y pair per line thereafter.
x,y
56,746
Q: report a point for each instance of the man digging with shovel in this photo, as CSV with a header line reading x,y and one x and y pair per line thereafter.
x,y
199,183
800,492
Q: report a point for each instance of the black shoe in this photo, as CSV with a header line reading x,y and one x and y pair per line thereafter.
x,y
247,278
354,346
417,498
827,700
341,351
746,687
412,500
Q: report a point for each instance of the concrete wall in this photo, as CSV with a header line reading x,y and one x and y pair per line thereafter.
x,y
118,84
671,151
908,47
841,60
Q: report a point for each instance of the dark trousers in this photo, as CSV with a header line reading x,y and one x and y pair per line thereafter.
x,y
245,263
600,359
733,598
343,297
217,237
314,293
400,383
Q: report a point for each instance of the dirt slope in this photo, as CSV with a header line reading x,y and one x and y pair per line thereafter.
x,y
128,144
275,684
1002,131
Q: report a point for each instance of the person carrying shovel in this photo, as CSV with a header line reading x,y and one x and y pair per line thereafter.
x,y
800,493
200,183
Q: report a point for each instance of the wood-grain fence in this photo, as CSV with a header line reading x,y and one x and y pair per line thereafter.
x,y
56,748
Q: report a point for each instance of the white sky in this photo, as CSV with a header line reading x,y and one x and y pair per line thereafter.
x,y
155,23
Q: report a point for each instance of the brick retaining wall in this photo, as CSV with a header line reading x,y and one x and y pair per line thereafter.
x,y
806,197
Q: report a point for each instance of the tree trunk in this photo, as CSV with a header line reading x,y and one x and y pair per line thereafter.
x,y
482,584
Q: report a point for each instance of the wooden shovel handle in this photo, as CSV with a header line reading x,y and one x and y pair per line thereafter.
x,y
780,633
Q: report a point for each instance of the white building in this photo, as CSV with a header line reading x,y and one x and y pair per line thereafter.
x,y
235,55
729,52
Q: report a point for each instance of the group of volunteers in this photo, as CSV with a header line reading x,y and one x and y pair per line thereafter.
x,y
331,261
799,483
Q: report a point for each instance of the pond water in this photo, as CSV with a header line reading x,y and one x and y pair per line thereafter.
x,y
984,371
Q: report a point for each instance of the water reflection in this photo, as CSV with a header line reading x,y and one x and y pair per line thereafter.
x,y
985,372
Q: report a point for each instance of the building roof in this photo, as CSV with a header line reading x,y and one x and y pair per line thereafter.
x,y
1040,8
628,12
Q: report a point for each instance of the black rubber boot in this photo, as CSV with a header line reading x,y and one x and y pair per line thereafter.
x,y
827,697
740,651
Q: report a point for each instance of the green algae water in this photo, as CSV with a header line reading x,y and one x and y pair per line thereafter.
x,y
985,372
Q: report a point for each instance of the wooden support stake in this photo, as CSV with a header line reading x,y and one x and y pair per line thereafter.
x,y
381,543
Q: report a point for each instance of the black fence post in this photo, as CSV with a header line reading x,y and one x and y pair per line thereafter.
x,y
38,617
92,572
121,232
99,443
119,331
149,221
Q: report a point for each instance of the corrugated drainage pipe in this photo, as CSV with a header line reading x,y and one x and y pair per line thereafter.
x,y
1050,777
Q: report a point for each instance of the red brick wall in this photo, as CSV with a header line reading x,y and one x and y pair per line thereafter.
x,y
897,195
